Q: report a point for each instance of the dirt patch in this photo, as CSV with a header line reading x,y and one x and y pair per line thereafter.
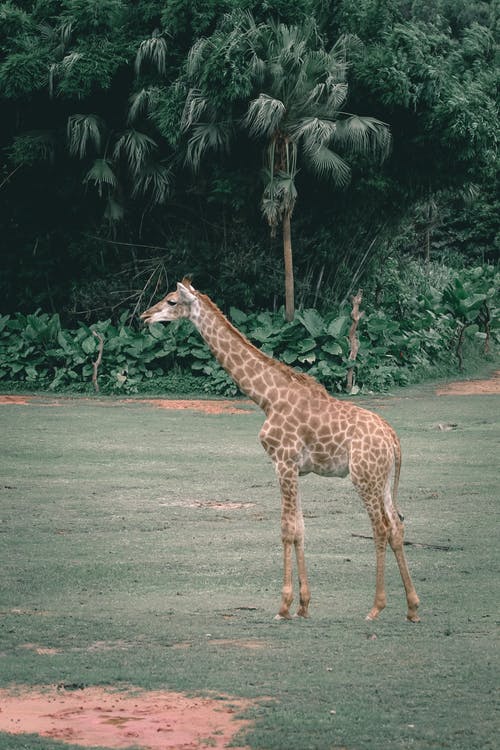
x,y
150,720
472,387
40,650
19,400
208,407
212,504
253,645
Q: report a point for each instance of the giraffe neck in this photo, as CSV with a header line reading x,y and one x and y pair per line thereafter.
x,y
254,372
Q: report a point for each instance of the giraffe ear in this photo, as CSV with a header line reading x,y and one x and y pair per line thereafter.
x,y
186,281
185,293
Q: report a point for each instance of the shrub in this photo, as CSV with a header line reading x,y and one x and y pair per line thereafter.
x,y
37,351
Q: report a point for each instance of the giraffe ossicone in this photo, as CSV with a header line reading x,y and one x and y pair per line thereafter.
x,y
306,430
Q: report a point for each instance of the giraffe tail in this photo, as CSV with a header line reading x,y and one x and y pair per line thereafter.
x,y
397,472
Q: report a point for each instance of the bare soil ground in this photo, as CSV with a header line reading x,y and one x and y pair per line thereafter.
x,y
95,717
202,405
472,387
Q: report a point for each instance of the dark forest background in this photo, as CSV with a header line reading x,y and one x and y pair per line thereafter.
x,y
100,210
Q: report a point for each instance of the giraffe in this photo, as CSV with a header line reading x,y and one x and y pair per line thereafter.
x,y
306,430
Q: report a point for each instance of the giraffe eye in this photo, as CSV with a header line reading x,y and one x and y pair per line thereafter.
x,y
171,302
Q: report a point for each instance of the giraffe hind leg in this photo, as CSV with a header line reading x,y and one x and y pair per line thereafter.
x,y
396,541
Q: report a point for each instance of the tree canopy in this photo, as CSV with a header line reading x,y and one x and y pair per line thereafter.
x,y
105,105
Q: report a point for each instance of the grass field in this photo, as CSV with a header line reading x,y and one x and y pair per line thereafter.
x,y
141,546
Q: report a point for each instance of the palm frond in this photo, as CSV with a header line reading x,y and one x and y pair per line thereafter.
x,y
205,137
70,59
364,135
196,56
258,67
153,50
47,32
279,196
84,131
270,207
66,31
154,180
114,211
101,174
141,102
326,163
135,147
195,106
336,94
313,131
62,67
264,115
53,69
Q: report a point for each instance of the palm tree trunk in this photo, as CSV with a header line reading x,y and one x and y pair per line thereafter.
x,y
287,251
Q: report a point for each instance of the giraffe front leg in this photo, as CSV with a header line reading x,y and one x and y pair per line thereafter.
x,y
287,590
305,593
292,535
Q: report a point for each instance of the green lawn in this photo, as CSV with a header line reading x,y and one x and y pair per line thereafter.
x,y
142,546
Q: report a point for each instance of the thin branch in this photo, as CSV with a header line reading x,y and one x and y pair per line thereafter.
x,y
98,361
5,181
126,244
356,315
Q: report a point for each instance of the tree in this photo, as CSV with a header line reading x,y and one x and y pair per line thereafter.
x,y
297,113
436,82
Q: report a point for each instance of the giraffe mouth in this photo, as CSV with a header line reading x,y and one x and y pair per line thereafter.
x,y
147,317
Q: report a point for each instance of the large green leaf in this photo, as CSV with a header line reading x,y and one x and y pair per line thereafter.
x,y
338,327
237,316
332,347
89,345
312,321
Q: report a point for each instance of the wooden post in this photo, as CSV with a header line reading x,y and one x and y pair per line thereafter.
x,y
356,315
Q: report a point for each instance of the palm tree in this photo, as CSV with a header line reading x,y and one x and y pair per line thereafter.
x,y
297,115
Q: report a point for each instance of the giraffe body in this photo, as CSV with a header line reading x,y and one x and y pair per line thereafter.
x,y
306,430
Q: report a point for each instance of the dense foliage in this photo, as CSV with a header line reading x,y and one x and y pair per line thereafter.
x,y
144,140
99,205
36,351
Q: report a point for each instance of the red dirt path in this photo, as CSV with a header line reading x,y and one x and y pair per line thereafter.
x,y
207,406
149,720
461,388
472,387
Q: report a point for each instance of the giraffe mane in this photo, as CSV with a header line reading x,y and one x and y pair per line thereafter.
x,y
300,378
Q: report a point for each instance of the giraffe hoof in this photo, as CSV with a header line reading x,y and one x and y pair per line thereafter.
x,y
282,617
301,613
412,617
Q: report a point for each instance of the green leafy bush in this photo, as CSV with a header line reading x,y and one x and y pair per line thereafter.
x,y
36,351
472,300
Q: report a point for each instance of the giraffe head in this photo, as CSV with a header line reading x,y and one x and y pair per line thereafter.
x,y
174,306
